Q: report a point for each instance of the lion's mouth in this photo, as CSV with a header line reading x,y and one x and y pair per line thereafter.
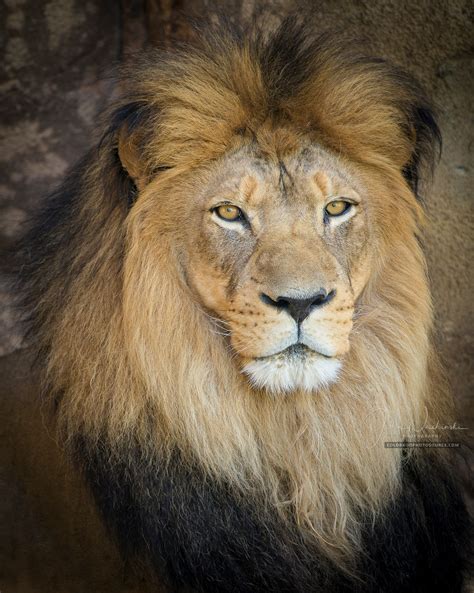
x,y
295,352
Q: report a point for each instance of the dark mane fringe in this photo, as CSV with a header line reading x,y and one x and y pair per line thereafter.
x,y
201,536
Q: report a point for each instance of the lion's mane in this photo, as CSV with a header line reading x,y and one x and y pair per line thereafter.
x,y
144,388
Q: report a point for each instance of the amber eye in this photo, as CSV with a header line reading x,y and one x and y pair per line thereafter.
x,y
229,212
337,207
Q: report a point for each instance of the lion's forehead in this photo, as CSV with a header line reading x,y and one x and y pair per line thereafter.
x,y
305,177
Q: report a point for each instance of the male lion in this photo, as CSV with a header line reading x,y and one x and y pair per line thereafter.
x,y
230,303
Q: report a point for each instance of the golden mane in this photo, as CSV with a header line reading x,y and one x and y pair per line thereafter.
x,y
130,355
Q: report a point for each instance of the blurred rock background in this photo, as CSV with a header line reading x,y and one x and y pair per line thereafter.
x,y
56,56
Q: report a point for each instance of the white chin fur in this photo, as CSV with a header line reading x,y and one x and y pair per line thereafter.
x,y
291,373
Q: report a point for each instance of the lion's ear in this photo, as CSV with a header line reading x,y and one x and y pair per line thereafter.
x,y
131,156
127,132
425,137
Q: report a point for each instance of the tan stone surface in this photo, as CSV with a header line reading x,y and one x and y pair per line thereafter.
x,y
54,53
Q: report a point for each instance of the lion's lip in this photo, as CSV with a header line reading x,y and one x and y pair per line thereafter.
x,y
297,350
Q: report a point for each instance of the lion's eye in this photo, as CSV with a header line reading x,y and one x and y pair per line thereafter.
x,y
337,207
229,212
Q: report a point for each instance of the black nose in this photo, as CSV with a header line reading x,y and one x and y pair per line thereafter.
x,y
299,309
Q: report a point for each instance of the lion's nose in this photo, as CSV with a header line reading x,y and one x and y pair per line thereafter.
x,y
299,309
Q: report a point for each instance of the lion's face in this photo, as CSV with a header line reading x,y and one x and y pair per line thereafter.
x,y
278,253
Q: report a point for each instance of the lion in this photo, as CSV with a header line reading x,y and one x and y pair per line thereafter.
x,y
229,302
